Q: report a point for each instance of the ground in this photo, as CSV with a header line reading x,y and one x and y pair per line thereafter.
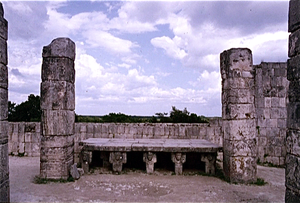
x,y
137,186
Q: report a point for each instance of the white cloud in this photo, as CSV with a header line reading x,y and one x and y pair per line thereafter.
x,y
169,46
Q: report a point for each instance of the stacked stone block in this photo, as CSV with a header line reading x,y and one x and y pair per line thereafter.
x,y
57,105
4,168
271,86
238,113
292,171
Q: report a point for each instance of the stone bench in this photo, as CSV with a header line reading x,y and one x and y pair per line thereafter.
x,y
178,148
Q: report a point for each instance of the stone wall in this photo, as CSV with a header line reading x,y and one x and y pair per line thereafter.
x,y
24,138
271,87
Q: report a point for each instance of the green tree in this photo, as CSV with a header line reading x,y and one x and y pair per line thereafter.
x,y
27,111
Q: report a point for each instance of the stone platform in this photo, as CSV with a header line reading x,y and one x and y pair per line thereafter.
x,y
178,148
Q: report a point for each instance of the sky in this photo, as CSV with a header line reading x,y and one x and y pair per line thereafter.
x,y
142,57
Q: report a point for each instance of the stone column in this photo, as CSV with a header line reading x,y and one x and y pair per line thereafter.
x,y
57,105
292,170
4,171
150,159
238,114
178,159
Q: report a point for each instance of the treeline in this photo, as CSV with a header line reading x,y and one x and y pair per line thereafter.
x,y
29,111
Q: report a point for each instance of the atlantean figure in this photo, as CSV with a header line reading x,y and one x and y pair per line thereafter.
x,y
150,159
178,159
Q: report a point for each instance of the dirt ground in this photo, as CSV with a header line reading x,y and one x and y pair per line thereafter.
x,y
137,186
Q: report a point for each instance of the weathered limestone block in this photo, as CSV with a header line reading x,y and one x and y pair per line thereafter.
x,y
56,169
58,69
178,159
292,172
3,76
244,147
293,69
58,122
238,96
58,95
292,142
294,16
57,154
86,159
3,28
293,111
238,111
240,168
210,163
60,48
239,129
3,104
117,159
3,51
150,159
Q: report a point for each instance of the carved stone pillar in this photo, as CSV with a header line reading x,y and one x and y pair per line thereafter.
x,y
292,170
150,159
178,159
117,159
238,114
57,105
4,168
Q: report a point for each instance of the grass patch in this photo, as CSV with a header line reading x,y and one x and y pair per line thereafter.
x,y
38,180
259,182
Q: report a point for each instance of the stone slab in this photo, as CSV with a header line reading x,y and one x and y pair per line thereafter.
x,y
3,51
154,145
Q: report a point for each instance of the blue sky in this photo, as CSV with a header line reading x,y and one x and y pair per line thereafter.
x,y
142,57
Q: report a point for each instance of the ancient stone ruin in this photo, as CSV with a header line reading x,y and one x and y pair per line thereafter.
x,y
4,168
292,171
257,118
57,105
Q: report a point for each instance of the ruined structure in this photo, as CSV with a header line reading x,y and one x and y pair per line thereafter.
x,y
57,105
292,170
4,168
271,87
238,113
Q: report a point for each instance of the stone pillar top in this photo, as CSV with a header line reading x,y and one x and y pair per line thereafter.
x,y
236,62
60,47
1,10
